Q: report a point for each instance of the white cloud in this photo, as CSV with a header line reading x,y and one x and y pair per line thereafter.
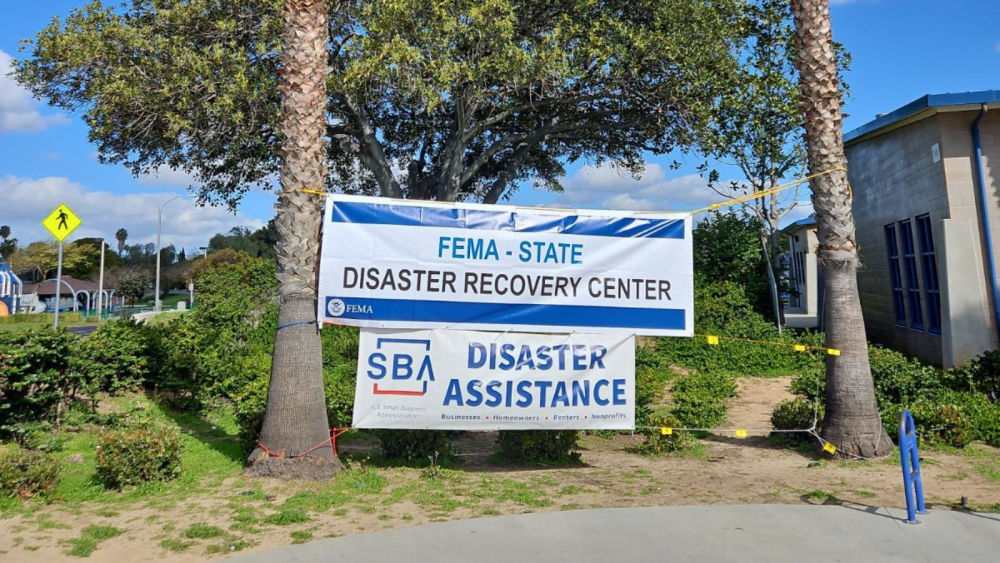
x,y
607,188
165,176
27,201
18,111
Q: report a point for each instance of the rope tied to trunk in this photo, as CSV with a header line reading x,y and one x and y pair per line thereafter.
x,y
296,323
332,441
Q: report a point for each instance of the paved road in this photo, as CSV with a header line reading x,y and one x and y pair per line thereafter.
x,y
82,330
710,534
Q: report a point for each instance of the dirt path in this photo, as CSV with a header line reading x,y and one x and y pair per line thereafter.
x,y
720,470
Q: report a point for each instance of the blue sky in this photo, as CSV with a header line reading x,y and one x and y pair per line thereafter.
x,y
902,50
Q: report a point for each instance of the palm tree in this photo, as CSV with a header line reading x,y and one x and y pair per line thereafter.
x,y
122,236
852,420
5,232
295,437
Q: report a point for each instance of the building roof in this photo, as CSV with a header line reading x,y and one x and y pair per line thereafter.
x,y
48,287
924,106
799,225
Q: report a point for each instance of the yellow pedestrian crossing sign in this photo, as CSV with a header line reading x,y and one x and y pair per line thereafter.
x,y
61,222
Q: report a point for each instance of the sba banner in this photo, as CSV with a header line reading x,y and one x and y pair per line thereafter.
x,y
401,264
465,380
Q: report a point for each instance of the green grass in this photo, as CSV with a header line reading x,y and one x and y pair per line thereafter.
x,y
301,536
819,496
211,454
287,517
90,538
864,494
176,545
201,531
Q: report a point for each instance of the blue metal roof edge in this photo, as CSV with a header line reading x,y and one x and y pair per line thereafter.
x,y
924,102
800,223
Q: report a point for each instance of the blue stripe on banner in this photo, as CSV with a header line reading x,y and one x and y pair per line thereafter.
x,y
459,218
460,312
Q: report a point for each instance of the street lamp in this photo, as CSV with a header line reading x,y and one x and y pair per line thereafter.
x,y
159,222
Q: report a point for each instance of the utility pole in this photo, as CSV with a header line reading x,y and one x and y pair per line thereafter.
x,y
159,222
100,286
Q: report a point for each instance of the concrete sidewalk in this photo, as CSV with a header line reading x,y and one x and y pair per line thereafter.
x,y
712,534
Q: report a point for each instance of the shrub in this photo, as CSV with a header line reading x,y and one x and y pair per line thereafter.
x,y
39,374
415,445
121,355
936,423
25,473
651,377
724,309
700,399
795,414
984,374
982,414
658,443
552,446
137,455
900,378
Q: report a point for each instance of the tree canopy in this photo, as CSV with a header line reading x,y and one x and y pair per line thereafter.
x,y
457,99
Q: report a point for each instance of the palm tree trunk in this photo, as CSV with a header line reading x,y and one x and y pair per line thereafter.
x,y
295,437
852,421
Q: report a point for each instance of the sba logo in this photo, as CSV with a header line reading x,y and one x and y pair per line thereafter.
x,y
402,365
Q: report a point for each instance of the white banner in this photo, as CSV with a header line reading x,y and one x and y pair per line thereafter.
x,y
464,380
416,264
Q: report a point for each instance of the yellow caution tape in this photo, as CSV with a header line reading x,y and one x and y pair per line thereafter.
x,y
666,431
833,351
799,348
713,340
741,433
828,447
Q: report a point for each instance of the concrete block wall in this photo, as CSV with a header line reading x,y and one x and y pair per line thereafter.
x,y
963,189
894,177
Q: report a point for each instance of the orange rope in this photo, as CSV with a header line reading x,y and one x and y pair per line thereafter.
x,y
332,440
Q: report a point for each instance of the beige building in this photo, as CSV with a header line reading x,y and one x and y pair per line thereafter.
x,y
926,184
804,303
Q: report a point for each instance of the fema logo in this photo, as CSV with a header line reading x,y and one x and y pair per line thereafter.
x,y
335,307
400,366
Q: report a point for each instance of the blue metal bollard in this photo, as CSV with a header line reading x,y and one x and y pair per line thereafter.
x,y
909,458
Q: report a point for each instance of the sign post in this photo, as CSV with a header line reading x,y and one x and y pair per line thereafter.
x,y
61,223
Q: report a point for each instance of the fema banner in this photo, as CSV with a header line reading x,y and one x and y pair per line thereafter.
x,y
465,380
416,264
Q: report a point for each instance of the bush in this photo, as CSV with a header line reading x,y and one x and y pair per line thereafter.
x,y
651,377
39,375
984,374
700,399
25,473
546,446
415,445
936,423
138,454
982,414
795,414
121,355
900,378
724,309
658,443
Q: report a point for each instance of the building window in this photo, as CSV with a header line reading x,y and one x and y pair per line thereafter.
x,y
910,272
932,292
892,249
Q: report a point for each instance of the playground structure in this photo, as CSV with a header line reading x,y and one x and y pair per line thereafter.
x,y
11,291
76,295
